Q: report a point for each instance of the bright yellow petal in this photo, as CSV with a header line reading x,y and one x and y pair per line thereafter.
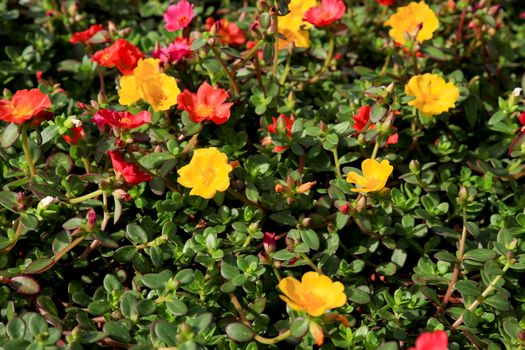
x,y
291,304
128,92
355,178
370,168
170,91
291,287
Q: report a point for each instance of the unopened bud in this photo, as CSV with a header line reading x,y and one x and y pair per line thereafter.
x,y
280,188
306,222
343,209
269,242
361,203
305,187
91,218
462,196
265,20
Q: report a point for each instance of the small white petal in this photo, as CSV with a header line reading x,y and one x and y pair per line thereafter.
x,y
517,92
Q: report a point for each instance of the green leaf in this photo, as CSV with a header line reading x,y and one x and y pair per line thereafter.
x,y
16,328
38,266
239,332
26,285
136,234
391,345
10,135
284,218
8,200
498,302
116,331
311,238
166,332
154,160
358,295
176,307
468,289
480,255
299,327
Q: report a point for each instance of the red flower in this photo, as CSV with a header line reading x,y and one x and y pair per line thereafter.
x,y
328,12
522,118
122,120
227,32
386,2
437,340
77,133
206,104
84,36
282,123
24,105
361,119
129,171
178,16
122,54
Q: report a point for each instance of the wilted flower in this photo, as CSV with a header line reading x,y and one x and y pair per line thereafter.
x,y
292,25
76,134
207,173
227,32
411,19
432,94
283,124
24,105
437,340
149,84
207,104
314,294
121,54
131,172
85,35
375,175
178,16
323,15
122,120
175,51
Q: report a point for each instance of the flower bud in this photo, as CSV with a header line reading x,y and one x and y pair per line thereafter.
x,y
265,20
269,242
91,218
317,333
280,188
462,196
305,187
343,209
361,203
414,166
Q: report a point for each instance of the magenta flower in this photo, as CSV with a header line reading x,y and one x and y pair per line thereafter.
x,y
178,16
175,52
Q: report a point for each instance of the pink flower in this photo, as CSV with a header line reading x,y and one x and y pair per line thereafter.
x,y
175,52
122,120
328,12
178,16
437,340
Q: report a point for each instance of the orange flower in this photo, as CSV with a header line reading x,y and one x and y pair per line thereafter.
x,y
24,105
228,33
122,54
206,104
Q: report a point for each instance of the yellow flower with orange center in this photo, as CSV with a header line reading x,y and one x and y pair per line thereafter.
x,y
433,95
411,18
149,84
314,294
292,25
207,173
375,175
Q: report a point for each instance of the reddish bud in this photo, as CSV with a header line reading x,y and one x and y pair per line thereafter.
x,y
269,242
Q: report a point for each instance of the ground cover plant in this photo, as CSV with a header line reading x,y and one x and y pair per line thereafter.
x,y
262,174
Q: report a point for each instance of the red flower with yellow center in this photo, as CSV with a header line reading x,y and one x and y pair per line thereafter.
x,y
122,120
207,104
85,35
24,105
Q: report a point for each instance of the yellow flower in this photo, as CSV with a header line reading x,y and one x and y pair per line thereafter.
x,y
206,173
374,176
314,295
408,18
149,84
432,94
292,25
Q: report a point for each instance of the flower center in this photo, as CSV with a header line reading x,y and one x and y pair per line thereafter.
x,y
22,110
183,20
204,110
125,120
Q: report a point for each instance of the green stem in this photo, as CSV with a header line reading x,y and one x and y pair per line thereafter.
x,y
337,165
490,288
18,233
310,263
66,249
86,197
271,341
276,42
374,152
245,200
231,77
27,151
327,60
286,68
